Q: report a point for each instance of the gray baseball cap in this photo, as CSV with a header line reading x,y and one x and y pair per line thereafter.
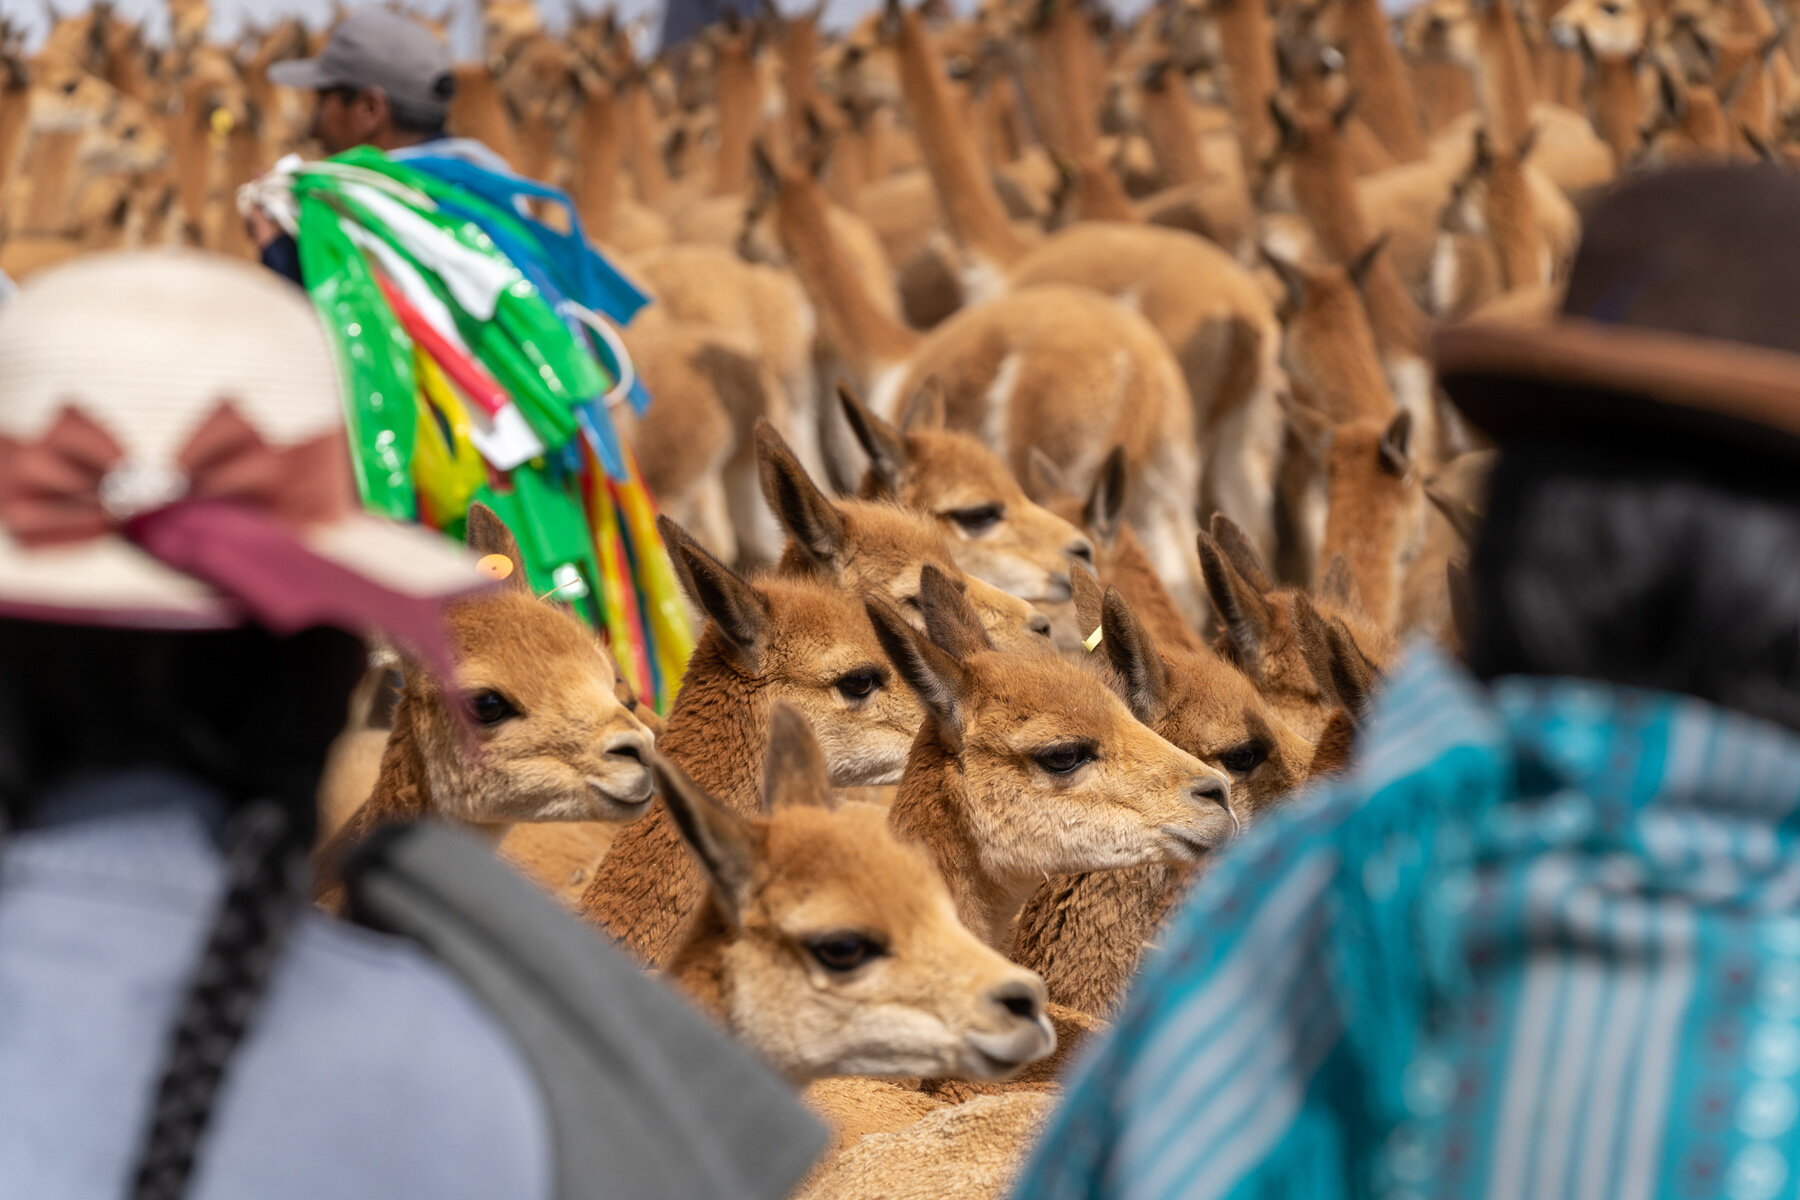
x,y
376,47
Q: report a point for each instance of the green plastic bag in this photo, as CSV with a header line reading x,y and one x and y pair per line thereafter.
x,y
375,354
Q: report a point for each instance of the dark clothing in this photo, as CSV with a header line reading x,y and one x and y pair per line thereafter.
x,y
282,256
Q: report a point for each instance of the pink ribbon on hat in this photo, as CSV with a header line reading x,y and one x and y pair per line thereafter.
x,y
226,513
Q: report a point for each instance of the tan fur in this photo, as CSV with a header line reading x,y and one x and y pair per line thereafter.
x,y
1375,513
971,1151
880,549
1216,319
1330,352
1247,45
971,210
809,883
792,639
1372,66
1324,191
739,103
562,746
994,530
993,817
1069,372
1207,193
1119,558
762,308
1257,636
703,378
1085,933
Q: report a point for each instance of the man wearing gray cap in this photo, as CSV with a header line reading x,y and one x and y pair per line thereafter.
x,y
383,80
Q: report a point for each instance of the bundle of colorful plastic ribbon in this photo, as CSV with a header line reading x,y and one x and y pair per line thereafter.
x,y
481,365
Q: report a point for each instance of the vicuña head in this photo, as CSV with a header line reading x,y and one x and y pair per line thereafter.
x,y
795,639
1257,631
555,742
996,533
832,948
531,729
877,548
1029,766
803,640
1196,700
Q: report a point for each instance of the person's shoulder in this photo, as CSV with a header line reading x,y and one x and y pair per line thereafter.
x,y
419,1072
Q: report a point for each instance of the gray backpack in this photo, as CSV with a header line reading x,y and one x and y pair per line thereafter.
x,y
648,1099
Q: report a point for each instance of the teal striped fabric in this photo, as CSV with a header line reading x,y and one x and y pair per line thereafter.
x,y
1543,941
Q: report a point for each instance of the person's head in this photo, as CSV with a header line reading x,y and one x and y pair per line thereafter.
x,y
184,573
383,80
1642,519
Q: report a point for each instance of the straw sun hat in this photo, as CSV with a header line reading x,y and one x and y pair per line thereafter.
x,y
1679,322
173,455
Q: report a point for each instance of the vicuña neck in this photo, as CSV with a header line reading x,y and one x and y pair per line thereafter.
x,y
740,103
1372,62
1503,74
869,340
972,210
931,808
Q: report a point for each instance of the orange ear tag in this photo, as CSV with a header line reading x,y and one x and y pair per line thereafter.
x,y
495,566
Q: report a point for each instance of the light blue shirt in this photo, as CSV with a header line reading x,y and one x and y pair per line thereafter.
x,y
367,1072
1543,941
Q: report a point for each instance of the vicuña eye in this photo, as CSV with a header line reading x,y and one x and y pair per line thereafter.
x,y
491,708
1065,760
1241,760
978,519
844,952
859,684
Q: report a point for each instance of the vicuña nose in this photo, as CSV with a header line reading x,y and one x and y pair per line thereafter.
x,y
1022,998
1082,549
1060,587
1213,790
1039,624
629,745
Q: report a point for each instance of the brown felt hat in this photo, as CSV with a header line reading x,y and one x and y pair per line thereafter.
x,y
1682,318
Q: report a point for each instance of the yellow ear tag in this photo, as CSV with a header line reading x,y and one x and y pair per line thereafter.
x,y
1093,639
222,123
495,566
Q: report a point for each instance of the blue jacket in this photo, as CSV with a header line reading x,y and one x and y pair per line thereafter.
x,y
368,1072
1544,941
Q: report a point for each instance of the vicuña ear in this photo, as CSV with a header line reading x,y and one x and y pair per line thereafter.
x,y
740,612
794,769
1100,515
1359,268
1246,617
766,174
723,842
1333,659
810,518
487,534
935,677
880,441
1141,676
1396,445
951,622
1236,544
928,408
1044,480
